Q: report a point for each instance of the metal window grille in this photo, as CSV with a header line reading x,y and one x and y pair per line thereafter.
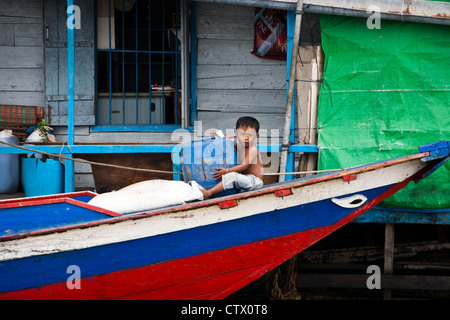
x,y
138,62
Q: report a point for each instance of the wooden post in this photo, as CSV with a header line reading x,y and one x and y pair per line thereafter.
x,y
388,256
312,73
291,87
69,185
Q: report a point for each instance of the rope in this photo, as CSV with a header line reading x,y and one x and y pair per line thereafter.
x,y
319,81
60,156
289,290
301,172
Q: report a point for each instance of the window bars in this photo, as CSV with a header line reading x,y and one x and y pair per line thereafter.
x,y
138,67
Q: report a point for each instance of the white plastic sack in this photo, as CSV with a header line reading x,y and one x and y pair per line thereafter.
x,y
148,195
6,134
37,136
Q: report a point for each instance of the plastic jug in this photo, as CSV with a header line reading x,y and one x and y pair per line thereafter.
x,y
201,158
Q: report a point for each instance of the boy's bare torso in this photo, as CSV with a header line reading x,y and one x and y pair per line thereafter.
x,y
251,154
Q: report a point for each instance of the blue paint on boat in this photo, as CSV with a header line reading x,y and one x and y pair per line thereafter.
x,y
19,220
51,268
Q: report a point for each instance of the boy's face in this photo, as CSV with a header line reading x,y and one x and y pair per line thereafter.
x,y
246,136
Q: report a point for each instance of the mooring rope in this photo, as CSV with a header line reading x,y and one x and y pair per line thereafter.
x,y
60,156
301,172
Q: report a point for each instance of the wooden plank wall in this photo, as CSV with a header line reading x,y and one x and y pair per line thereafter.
x,y
55,20
232,82
22,53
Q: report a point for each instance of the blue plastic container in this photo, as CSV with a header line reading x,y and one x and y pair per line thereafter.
x,y
201,158
9,167
40,179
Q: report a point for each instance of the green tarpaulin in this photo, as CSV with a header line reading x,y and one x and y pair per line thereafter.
x,y
385,92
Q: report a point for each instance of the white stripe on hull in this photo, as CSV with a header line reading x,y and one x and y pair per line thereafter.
x,y
131,229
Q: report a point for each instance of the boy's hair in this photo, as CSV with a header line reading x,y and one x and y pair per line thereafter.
x,y
248,122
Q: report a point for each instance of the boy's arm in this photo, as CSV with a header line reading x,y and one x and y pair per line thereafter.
x,y
250,158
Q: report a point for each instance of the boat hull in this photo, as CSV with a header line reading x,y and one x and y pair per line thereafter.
x,y
205,250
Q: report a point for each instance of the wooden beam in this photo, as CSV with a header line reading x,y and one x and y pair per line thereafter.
x,y
388,255
420,11
290,98
369,253
134,148
410,282
69,167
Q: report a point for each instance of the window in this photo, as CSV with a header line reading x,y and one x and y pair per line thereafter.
x,y
138,62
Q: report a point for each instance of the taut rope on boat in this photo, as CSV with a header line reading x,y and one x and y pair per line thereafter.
x,y
60,156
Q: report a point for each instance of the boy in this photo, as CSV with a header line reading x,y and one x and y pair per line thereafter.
x,y
248,174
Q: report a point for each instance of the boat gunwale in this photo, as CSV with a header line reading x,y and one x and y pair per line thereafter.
x,y
216,201
22,202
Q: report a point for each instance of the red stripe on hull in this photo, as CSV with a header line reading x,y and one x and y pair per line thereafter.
x,y
213,275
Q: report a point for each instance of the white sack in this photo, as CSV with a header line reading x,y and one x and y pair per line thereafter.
x,y
38,136
6,134
148,195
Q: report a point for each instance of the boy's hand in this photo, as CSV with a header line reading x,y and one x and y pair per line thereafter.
x,y
219,173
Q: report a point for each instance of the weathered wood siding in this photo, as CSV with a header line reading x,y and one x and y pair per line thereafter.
x,y
55,17
21,53
232,82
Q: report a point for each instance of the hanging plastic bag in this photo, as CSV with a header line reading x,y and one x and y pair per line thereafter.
x,y
270,38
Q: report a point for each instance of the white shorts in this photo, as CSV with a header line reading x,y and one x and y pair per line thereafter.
x,y
246,182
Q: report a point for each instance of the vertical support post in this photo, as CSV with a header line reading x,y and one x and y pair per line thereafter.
x,y
136,65
388,255
176,163
163,84
69,184
291,87
193,21
184,62
290,162
123,63
150,63
110,63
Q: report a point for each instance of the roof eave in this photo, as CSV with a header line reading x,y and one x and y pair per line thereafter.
x,y
432,12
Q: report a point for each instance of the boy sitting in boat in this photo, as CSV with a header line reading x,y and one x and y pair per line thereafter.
x,y
248,174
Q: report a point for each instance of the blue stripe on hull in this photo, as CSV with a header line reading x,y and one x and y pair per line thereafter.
x,y
48,269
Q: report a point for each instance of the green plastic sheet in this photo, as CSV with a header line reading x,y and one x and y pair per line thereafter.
x,y
384,93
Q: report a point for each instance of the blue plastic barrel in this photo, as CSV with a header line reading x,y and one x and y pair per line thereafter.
x,y
42,178
9,167
201,158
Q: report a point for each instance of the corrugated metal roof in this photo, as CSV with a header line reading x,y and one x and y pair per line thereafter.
x,y
434,12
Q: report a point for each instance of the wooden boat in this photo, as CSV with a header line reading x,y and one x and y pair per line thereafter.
x,y
60,247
